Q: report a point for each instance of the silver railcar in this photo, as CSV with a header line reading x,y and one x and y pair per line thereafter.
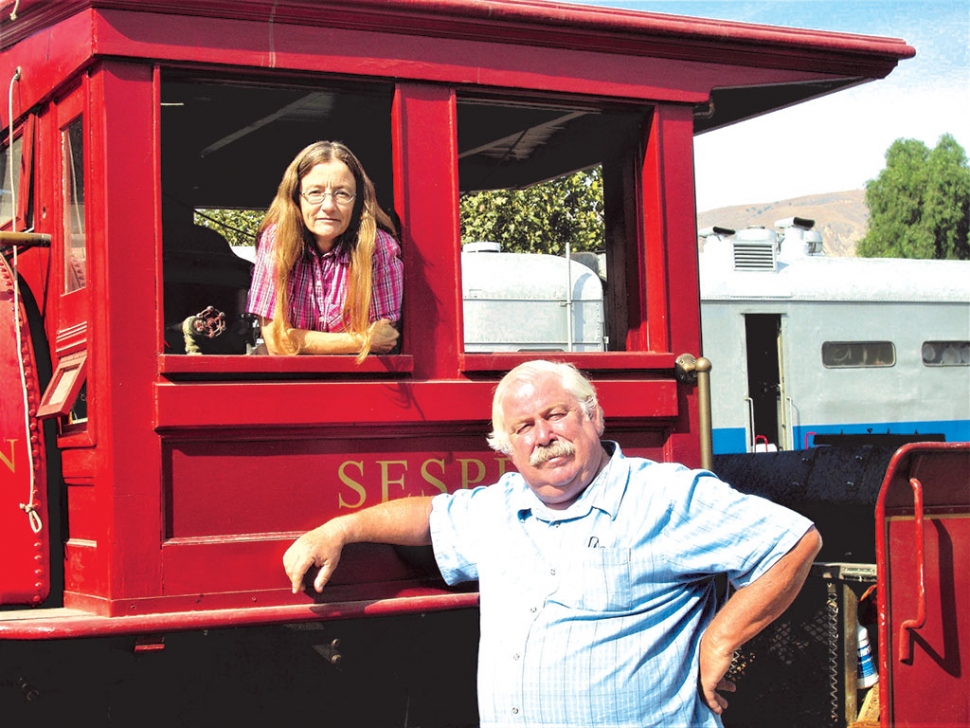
x,y
810,349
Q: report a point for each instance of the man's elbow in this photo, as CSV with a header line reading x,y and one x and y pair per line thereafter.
x,y
812,542
803,553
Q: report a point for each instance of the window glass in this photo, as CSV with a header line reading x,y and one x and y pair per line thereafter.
x,y
75,256
79,410
225,146
541,184
946,353
9,170
855,354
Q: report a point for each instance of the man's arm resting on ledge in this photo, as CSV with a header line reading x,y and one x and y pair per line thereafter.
x,y
403,522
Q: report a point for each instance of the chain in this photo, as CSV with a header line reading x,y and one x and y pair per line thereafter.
x,y
832,641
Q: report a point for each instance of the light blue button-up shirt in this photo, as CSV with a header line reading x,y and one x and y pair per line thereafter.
x,y
592,615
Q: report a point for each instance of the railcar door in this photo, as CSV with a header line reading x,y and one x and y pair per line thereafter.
x,y
766,390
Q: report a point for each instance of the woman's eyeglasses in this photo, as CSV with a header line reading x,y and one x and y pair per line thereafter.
x,y
317,197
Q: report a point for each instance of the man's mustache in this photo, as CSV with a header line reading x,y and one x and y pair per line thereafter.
x,y
542,453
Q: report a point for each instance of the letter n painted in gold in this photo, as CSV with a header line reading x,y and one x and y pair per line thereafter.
x,y
9,462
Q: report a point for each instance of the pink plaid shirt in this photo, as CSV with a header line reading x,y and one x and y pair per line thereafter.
x,y
318,284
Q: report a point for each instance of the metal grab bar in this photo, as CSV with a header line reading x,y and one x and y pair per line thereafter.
x,y
791,424
905,640
698,369
750,433
24,240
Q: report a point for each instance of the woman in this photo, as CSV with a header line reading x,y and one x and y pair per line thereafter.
x,y
328,277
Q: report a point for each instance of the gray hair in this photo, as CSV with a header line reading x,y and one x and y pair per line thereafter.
x,y
572,381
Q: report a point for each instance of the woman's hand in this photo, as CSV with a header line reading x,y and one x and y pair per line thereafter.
x,y
383,339
383,336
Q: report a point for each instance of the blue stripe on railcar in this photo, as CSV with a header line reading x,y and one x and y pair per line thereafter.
x,y
952,430
734,439
729,440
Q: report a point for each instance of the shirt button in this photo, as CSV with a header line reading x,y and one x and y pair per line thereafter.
x,y
515,711
515,656
552,572
532,609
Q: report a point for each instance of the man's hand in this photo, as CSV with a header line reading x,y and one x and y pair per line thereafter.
x,y
714,664
321,548
748,611
403,522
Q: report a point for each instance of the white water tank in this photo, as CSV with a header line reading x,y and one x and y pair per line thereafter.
x,y
521,302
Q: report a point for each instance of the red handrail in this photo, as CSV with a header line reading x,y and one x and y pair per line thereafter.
x,y
905,641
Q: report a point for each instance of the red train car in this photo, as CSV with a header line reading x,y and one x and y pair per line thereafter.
x,y
146,491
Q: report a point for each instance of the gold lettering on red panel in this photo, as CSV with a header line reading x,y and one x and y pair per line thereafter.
x,y
385,477
352,484
369,481
429,478
466,478
10,462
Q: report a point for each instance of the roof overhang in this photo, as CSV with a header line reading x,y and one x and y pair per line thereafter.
x,y
735,71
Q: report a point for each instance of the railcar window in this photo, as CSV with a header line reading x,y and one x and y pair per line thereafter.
x,y
75,256
946,353
858,354
10,159
543,206
225,146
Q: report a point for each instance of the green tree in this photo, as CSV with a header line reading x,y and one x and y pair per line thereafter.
x,y
919,205
541,218
239,227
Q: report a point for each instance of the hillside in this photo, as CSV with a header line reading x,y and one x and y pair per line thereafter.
x,y
841,217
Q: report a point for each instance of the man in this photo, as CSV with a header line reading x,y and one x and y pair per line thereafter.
x,y
595,570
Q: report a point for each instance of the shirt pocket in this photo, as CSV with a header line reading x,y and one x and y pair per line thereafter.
x,y
595,580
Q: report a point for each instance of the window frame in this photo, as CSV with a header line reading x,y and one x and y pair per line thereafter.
x,y
21,219
863,353
631,174
73,309
647,219
241,366
960,344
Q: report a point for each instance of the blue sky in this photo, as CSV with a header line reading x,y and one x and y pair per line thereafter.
x,y
837,142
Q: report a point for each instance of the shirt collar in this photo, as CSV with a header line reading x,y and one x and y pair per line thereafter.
x,y
339,252
604,493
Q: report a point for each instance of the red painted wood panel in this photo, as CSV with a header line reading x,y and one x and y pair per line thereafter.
x,y
123,187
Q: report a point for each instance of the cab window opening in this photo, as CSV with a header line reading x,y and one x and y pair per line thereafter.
x,y
545,214
75,255
10,163
17,178
225,145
